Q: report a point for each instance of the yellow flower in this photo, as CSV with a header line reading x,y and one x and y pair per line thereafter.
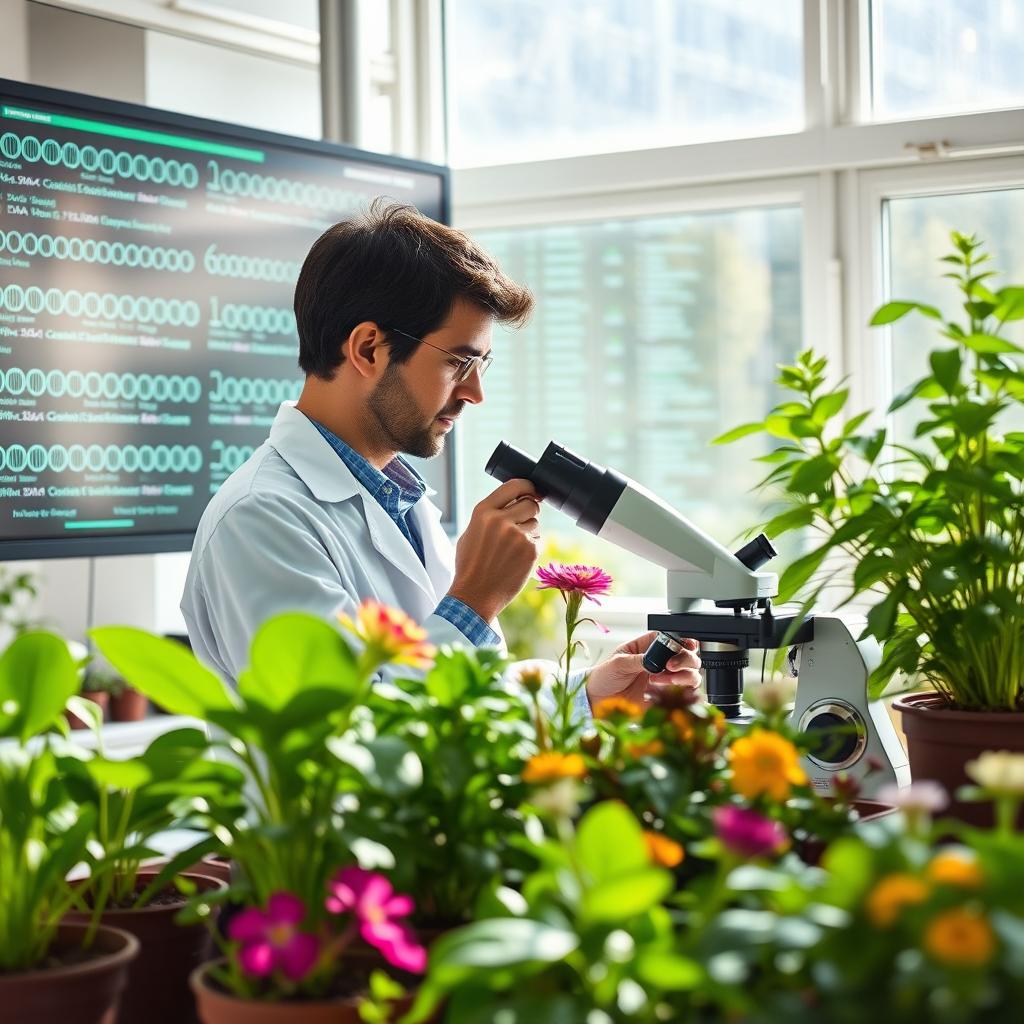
x,y
532,679
611,706
765,762
652,748
662,850
684,725
390,635
1000,772
952,868
960,938
891,894
550,767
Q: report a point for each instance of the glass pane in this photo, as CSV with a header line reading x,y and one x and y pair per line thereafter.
x,y
651,336
534,79
918,237
941,58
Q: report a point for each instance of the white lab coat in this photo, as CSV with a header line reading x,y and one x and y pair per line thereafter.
x,y
293,530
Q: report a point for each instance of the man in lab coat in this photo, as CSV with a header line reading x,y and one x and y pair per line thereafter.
x,y
394,315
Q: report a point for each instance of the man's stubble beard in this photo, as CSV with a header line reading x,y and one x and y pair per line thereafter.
x,y
399,420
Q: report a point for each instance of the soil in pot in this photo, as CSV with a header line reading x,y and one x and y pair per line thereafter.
x,y
98,697
941,740
128,706
75,986
217,1006
157,990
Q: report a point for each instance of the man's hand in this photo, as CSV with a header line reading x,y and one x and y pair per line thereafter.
x,y
622,675
498,550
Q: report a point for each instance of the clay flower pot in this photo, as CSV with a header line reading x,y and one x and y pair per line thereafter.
x,y
216,1006
128,706
84,992
941,740
98,697
157,991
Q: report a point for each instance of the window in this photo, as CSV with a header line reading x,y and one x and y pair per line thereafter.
x,y
940,58
533,79
651,335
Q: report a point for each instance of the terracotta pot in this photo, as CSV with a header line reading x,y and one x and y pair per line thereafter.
x,y
157,990
82,993
217,1007
100,697
941,740
128,706
215,867
812,848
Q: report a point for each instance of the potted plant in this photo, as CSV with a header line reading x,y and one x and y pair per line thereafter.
x,y
50,972
96,687
131,800
930,526
298,906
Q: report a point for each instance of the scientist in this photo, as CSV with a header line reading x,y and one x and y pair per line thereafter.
x,y
394,315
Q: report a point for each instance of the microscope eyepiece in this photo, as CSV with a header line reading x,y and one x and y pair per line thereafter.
x,y
509,463
755,553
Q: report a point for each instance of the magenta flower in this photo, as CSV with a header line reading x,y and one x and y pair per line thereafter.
x,y
271,939
378,907
748,833
589,581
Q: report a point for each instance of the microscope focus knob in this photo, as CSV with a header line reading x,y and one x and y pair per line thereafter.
x,y
844,734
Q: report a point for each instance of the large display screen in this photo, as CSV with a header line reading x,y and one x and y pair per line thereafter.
x,y
147,338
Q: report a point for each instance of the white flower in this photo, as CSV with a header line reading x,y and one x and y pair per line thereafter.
x,y
775,695
561,799
924,796
999,772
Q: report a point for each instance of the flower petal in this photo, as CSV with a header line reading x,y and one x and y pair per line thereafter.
x,y
298,958
285,908
257,959
400,905
248,926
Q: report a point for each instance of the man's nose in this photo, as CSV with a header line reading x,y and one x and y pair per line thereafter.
x,y
471,389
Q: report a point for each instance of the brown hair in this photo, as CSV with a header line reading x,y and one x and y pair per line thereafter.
x,y
401,270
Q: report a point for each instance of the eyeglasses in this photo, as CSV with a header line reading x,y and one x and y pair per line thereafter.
x,y
463,366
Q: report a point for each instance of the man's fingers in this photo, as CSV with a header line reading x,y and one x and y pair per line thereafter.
x,y
509,491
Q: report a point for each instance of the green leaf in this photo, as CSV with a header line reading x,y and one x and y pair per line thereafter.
x,y
811,476
1010,303
387,763
610,842
800,571
669,971
737,432
829,405
294,652
926,387
37,676
946,365
882,617
618,899
791,519
163,670
893,311
500,942
987,344
129,774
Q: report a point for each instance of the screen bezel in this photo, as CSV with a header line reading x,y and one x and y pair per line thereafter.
x,y
159,543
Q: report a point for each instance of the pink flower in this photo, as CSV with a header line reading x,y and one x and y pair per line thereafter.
x,y
748,833
924,796
271,939
589,581
378,907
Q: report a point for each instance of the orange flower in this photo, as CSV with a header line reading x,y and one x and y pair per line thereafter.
x,y
390,635
652,748
891,894
550,767
952,868
532,679
765,762
662,850
684,725
960,938
612,706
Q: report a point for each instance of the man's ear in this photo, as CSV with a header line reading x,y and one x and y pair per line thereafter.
x,y
366,350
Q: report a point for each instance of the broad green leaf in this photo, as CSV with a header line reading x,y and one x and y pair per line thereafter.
x,y
502,941
926,387
946,367
737,432
987,344
450,678
293,652
893,311
668,971
623,897
811,477
128,774
1010,303
800,571
829,405
610,842
882,617
163,670
388,763
791,519
37,676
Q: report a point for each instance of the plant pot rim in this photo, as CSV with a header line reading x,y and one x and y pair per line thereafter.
x,y
928,702
198,983
127,952
161,908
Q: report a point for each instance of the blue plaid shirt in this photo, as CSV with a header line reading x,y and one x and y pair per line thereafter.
x,y
397,488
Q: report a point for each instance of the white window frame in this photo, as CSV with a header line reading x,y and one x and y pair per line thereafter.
x,y
840,168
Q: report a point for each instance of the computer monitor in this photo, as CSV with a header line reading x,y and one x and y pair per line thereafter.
x,y
147,268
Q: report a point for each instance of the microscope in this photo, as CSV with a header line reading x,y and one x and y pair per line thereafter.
x,y
720,599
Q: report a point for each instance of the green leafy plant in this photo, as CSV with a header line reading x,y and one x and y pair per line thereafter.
x,y
934,527
16,591
43,833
